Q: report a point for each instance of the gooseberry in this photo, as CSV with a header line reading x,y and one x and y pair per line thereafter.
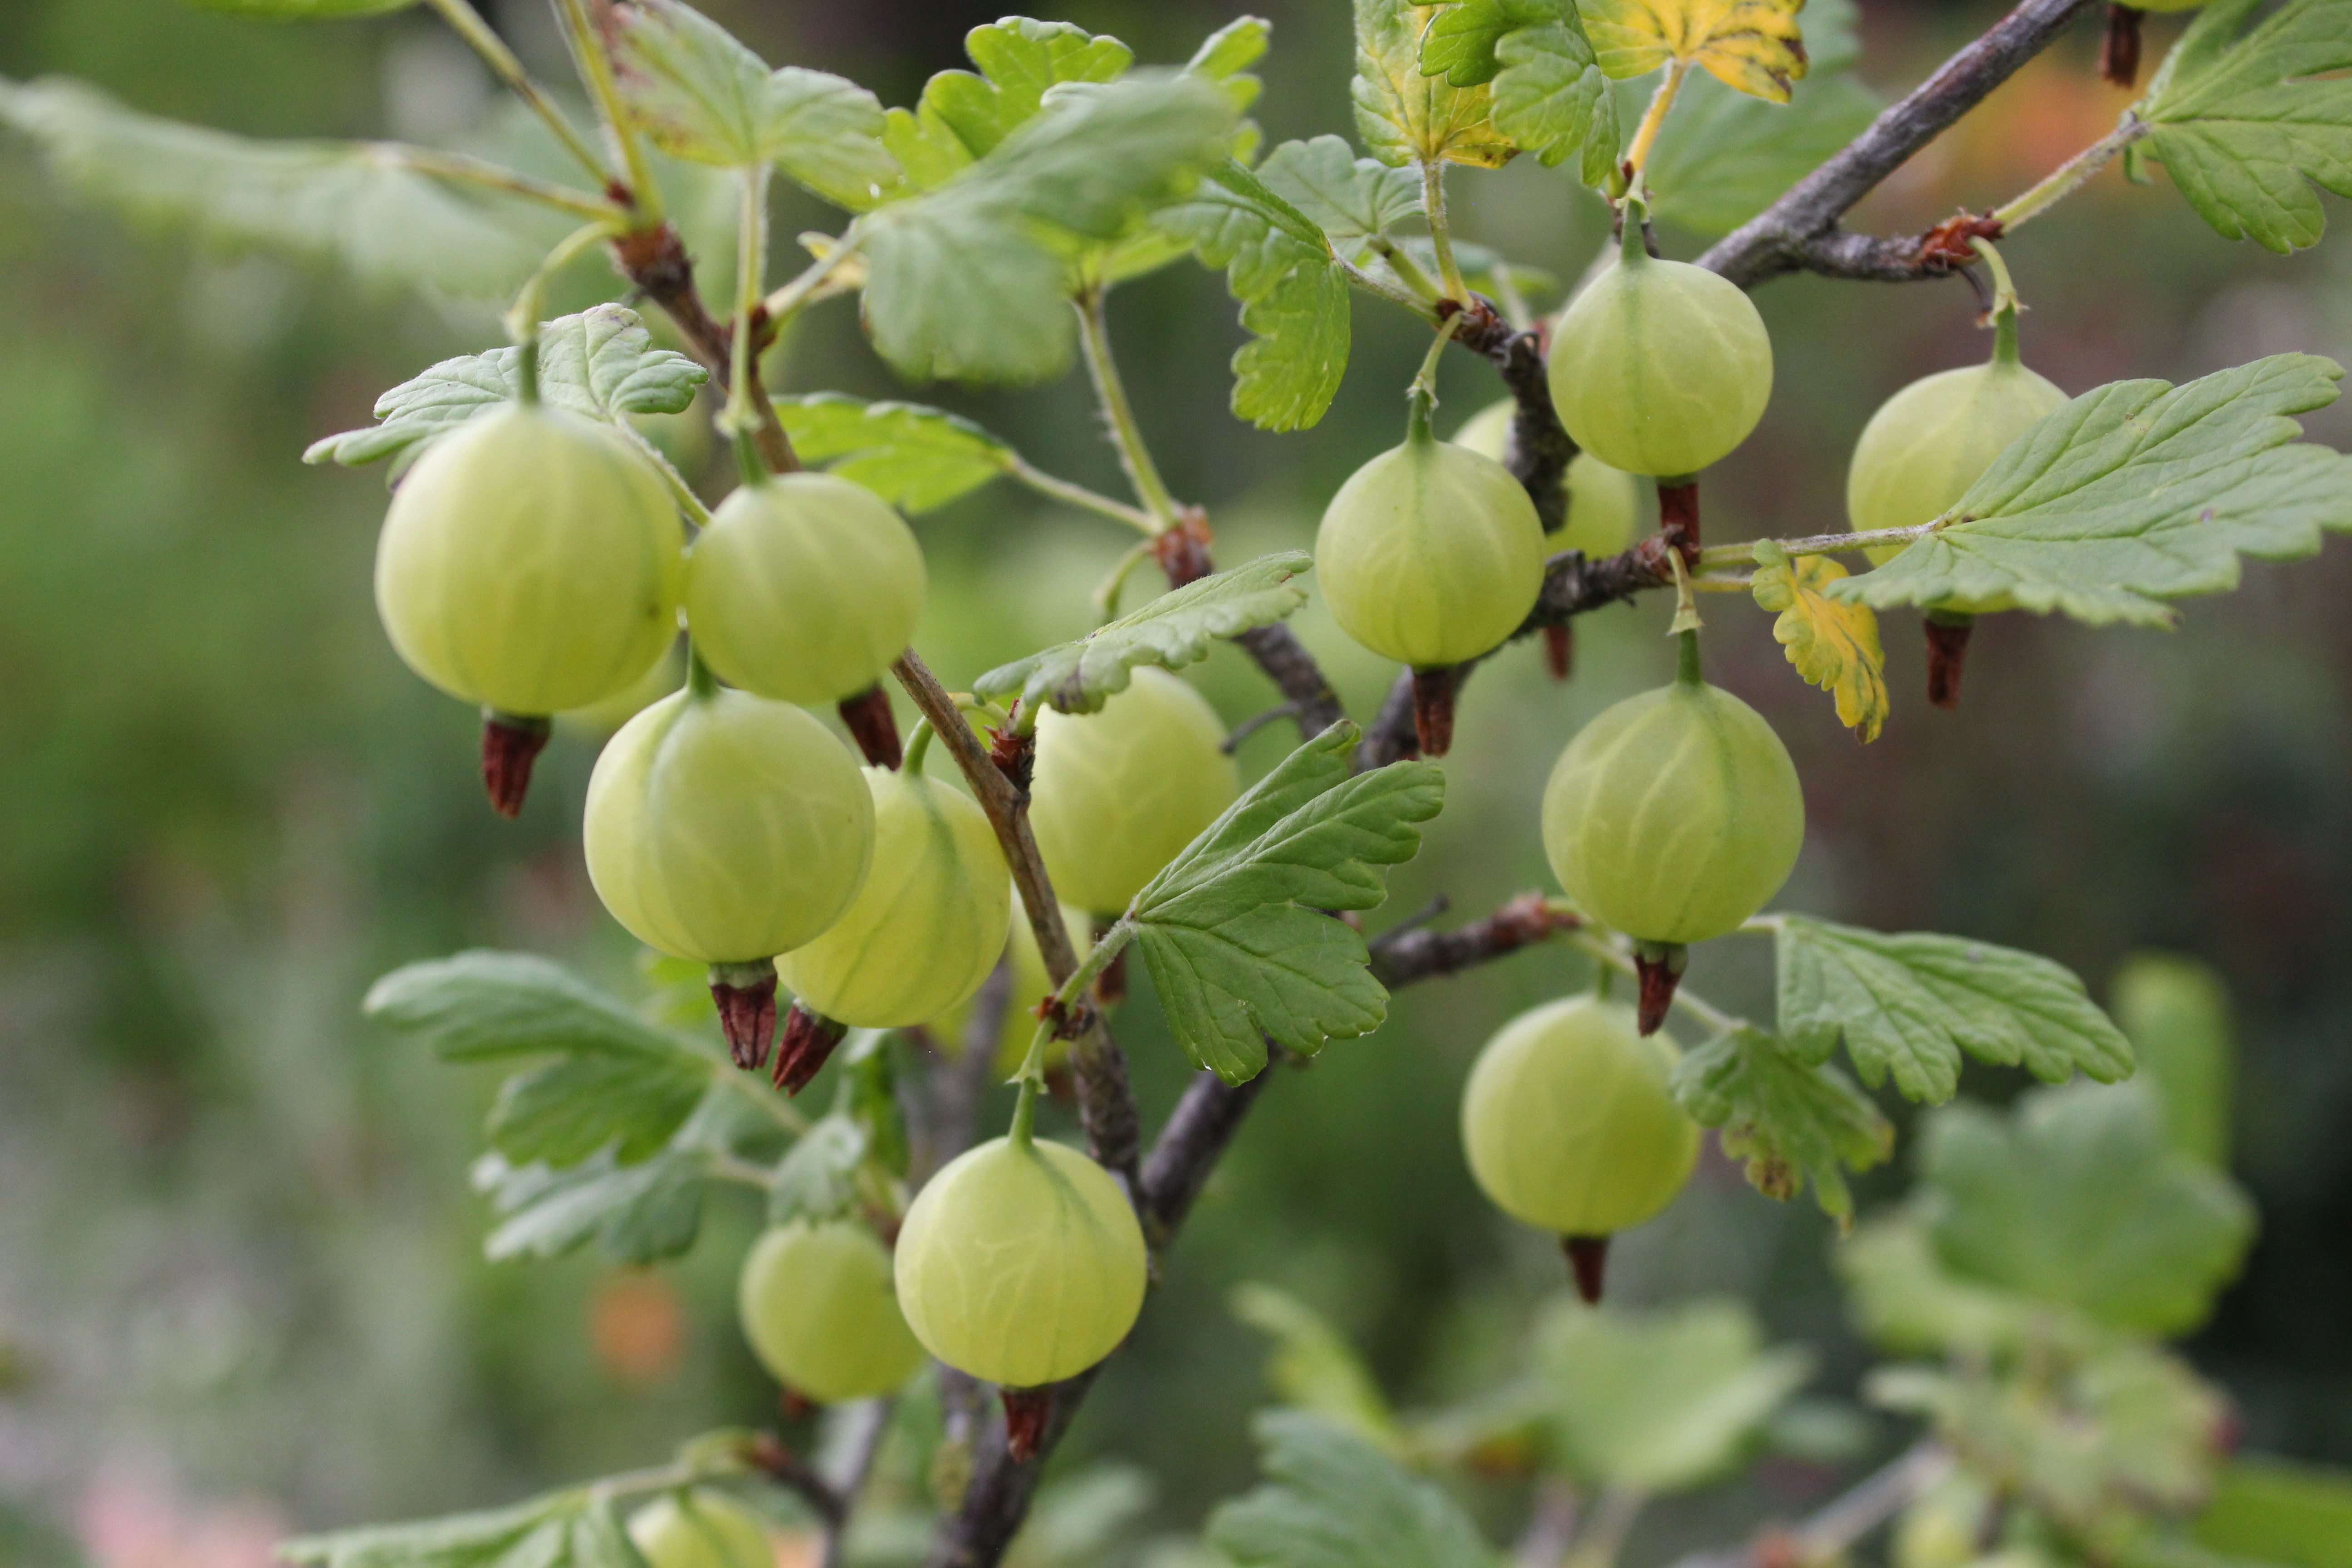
x,y
1020,1263
928,924
1660,367
1929,442
1604,503
1028,983
803,588
726,828
817,1305
1431,554
1568,1122
1117,793
1675,815
700,1529
530,562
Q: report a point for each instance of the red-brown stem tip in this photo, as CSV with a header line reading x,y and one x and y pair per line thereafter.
x,y
1559,651
746,996
511,744
1947,656
1433,709
1660,966
1182,550
1014,753
1026,1412
2119,50
1588,1260
1678,518
872,726
804,1046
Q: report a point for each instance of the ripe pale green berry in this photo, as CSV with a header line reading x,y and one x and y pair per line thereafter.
x,y
1568,1122
929,923
1929,442
1117,793
701,1529
1029,982
1604,503
1660,367
726,828
1675,815
1020,1263
803,588
530,562
817,1304
1431,554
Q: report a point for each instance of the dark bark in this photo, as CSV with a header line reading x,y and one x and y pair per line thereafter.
x,y
1404,954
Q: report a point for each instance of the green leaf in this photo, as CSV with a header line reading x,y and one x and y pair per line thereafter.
x,y
1020,60
1549,97
353,203
972,278
1902,1296
1908,1004
1332,1499
1750,45
816,1180
2133,494
573,1529
304,10
1788,1119
1723,156
2176,1012
1832,646
1660,1403
1405,116
1172,631
1351,199
915,457
1235,929
2274,1510
1314,1369
563,1111
1294,295
601,362
1227,55
636,1214
2246,125
700,95
2077,1198
484,1006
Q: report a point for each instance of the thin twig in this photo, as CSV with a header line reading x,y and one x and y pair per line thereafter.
x,y
468,24
1407,952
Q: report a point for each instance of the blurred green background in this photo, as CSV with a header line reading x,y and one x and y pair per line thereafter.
x,y
240,1284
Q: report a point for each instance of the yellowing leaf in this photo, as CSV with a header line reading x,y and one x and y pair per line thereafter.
x,y
1403,116
1751,45
1831,646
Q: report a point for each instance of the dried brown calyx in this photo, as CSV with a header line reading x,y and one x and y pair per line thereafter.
x,y
511,744
746,997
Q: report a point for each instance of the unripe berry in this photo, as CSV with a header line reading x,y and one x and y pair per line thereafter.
x,y
726,828
816,1303
803,588
530,562
1660,367
1431,554
1117,793
1604,504
929,923
1568,1123
1675,815
1020,1263
705,1529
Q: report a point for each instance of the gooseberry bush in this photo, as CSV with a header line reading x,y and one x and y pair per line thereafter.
x,y
964,908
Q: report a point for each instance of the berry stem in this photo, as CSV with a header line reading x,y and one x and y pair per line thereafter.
x,y
701,683
2072,176
1645,135
740,418
919,745
1686,664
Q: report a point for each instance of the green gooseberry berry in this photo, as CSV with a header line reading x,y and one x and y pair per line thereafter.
x,y
817,1303
1604,504
703,1528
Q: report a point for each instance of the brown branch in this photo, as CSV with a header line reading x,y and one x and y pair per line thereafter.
x,y
1540,447
656,262
1800,230
1410,953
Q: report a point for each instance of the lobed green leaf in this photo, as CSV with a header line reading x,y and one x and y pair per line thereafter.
x,y
601,362
1899,1292
1790,1119
573,1529
1351,199
1907,1005
1314,1369
1405,114
1661,1402
1172,631
1549,96
2078,1198
2246,122
2134,494
816,1179
915,457
1234,930
1333,1499
636,1214
485,1006
700,95
353,203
